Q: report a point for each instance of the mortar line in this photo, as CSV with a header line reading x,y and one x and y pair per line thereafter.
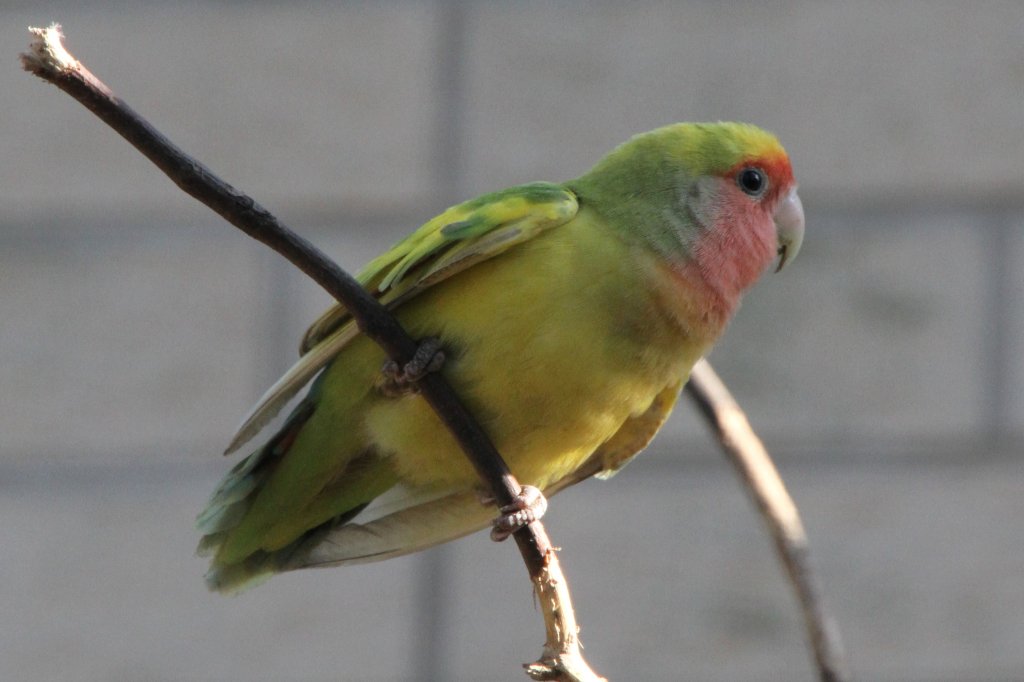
x,y
996,400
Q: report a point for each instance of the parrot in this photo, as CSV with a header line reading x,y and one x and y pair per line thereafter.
x,y
567,316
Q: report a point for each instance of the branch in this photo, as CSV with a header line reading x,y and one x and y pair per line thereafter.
x,y
746,451
49,60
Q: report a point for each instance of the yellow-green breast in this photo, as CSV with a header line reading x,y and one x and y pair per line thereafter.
x,y
554,344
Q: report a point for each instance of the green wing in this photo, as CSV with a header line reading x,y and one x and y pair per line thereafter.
x,y
457,239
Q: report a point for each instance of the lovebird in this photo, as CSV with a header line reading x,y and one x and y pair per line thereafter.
x,y
566,315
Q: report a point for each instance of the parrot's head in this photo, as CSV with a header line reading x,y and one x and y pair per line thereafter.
x,y
744,173
715,198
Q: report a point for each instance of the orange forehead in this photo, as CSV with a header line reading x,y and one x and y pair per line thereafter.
x,y
724,148
761,148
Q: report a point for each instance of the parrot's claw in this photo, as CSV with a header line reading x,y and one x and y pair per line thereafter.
x,y
529,506
398,381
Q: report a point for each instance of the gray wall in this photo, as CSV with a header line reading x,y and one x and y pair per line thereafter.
x,y
884,369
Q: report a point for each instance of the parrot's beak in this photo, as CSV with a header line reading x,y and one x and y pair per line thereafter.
x,y
789,226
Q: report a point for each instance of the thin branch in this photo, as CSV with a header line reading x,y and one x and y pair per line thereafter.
x,y
49,60
746,451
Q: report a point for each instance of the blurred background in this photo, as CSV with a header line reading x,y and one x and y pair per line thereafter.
x,y
884,369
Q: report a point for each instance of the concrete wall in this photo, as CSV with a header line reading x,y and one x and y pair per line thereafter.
x,y
884,369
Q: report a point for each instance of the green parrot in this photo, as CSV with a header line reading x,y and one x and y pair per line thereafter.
x,y
569,316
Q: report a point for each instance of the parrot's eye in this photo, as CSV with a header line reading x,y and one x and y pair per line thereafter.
x,y
752,181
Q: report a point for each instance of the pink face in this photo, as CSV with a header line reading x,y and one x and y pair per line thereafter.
x,y
751,215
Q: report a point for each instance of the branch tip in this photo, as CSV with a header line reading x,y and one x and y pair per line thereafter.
x,y
47,52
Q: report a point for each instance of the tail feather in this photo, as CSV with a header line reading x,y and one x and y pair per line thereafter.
x,y
231,500
424,520
234,578
257,567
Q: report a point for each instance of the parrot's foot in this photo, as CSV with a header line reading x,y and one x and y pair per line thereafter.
x,y
398,381
529,506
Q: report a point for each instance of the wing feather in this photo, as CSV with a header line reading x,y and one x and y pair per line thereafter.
x,y
456,240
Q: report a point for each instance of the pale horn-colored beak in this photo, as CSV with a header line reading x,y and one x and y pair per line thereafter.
x,y
789,226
